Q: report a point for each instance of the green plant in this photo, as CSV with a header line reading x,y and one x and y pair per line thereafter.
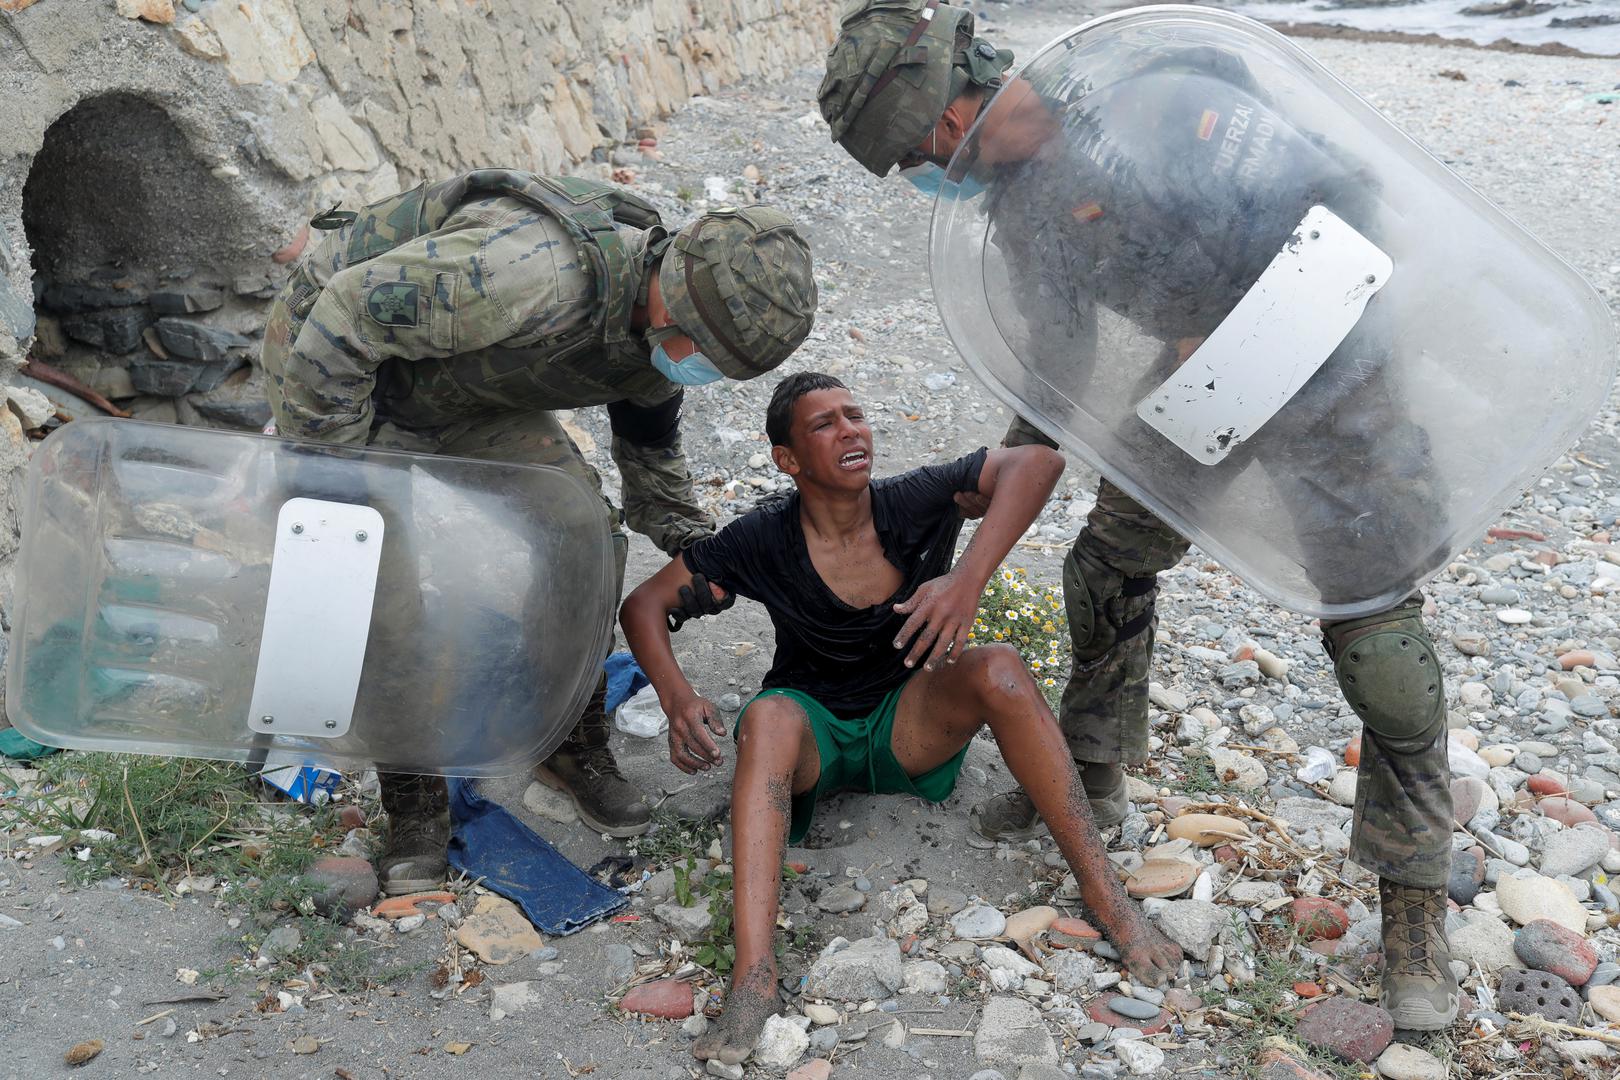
x,y
1029,618
717,950
685,194
673,840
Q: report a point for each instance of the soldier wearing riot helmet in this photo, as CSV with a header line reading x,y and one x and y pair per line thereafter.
x,y
905,83
454,317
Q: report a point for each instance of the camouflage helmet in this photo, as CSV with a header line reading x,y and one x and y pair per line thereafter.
x,y
894,69
739,283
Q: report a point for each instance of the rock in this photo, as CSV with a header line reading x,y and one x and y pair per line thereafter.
x,y
1141,1058
1498,756
1468,796
1343,788
862,971
550,803
184,340
281,942
1538,993
822,1015
1255,892
1546,946
1238,769
341,884
79,1053
1403,1062
1074,931
1271,665
618,964
1467,873
152,11
1464,762
1574,852
1349,1030
716,1067
1471,644
187,300
780,1044
1483,941
1192,924
1024,925
1207,830
1070,970
841,900
1133,1009
945,901
1171,701
1280,1062
117,331
1318,917
507,999
1514,616
1565,811
1102,1014
1299,814
688,923
1011,1034
497,932
820,1069
1526,899
1605,1001
924,977
1161,877
32,407
978,922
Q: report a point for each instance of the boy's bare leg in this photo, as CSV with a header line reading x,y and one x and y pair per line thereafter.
x,y
776,759
940,710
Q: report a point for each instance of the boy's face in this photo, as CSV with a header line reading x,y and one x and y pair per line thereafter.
x,y
829,442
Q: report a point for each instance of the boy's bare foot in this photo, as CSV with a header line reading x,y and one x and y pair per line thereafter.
x,y
750,1003
1151,958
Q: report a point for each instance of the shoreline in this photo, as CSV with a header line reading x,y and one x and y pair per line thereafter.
x,y
1339,32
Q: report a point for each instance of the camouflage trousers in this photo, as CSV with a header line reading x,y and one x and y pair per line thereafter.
x,y
1403,815
525,438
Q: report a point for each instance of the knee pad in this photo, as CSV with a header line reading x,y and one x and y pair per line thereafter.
x,y
1391,676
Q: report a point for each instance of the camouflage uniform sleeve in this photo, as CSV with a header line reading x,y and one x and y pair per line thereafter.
x,y
659,501
496,271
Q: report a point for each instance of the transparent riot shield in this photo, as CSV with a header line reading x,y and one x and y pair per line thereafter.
x,y
1183,249
202,594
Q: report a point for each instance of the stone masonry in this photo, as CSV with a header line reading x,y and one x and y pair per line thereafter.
x,y
158,160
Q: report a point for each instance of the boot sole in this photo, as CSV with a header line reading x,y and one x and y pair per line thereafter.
x,y
1421,1016
412,885
618,832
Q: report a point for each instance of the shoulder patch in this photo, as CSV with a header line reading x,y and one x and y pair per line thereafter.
x,y
393,303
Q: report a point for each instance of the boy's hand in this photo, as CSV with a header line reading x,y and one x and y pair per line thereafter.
x,y
941,614
691,748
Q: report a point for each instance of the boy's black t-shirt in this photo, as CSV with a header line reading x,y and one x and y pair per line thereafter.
x,y
844,657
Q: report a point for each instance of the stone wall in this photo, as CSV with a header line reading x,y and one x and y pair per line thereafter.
x,y
158,159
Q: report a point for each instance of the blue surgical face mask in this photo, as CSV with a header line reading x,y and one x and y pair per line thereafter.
x,y
930,180
694,370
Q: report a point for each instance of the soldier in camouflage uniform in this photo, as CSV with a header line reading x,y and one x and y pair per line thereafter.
x,y
453,318
905,81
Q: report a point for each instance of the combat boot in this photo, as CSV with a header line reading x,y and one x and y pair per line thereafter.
x,y
418,810
1011,816
583,768
1419,990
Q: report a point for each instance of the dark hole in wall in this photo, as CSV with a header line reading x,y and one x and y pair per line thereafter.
x,y
135,247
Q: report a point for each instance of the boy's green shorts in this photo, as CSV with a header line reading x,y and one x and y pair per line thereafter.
x,y
856,755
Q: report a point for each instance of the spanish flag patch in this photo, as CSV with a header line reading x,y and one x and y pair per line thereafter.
x,y
1206,124
1090,211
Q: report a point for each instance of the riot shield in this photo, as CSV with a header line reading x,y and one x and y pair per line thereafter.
x,y
202,594
1183,249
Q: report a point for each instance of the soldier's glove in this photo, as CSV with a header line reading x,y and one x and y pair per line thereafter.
x,y
697,600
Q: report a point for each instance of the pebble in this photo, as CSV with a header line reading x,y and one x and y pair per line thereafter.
x,y
841,900
1605,1001
1566,811
978,922
1161,877
1514,616
945,901
1546,946
1207,830
1141,1058
716,1067
668,998
1526,899
1132,1008
1573,852
1193,924
1401,1061
1318,917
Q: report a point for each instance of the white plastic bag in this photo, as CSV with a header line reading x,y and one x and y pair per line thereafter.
x,y
641,715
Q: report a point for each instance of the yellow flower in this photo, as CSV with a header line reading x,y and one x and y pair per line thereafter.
x,y
1035,665
1049,682
1012,616
1000,635
1049,628
1019,571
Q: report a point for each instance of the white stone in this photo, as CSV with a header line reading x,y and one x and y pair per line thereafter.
x,y
1011,1034
1514,616
923,977
1070,969
1343,788
1238,769
1485,942
346,144
1475,695
261,42
1001,958
198,40
1530,897
32,406
1574,851
550,804
1271,665
1464,762
1171,701
1141,1058
780,1044
1192,924
861,971
1404,1062
978,922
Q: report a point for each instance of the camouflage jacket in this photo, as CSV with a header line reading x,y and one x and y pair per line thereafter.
x,y
496,307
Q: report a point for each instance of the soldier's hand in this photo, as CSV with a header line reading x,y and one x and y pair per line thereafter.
x,y
698,599
693,723
972,505
941,614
